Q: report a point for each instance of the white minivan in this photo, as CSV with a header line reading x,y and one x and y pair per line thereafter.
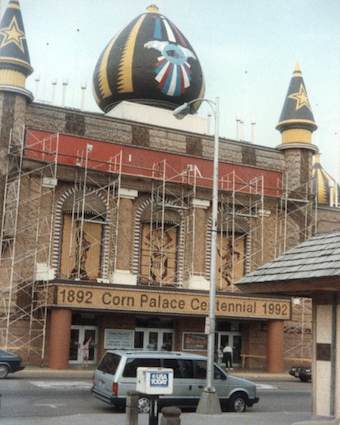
x,y
117,370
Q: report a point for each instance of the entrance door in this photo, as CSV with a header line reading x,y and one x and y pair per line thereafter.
x,y
154,339
233,339
79,336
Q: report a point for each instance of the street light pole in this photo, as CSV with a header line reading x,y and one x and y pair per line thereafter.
x,y
212,291
209,402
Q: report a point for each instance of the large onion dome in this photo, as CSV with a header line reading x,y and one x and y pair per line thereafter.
x,y
150,62
325,187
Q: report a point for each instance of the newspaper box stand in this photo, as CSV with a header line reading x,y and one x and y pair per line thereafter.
x,y
154,382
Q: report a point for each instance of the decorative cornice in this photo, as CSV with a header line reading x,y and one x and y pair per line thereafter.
x,y
128,193
200,203
17,90
290,123
308,146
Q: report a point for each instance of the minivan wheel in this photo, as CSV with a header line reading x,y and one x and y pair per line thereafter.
x,y
143,405
238,403
3,371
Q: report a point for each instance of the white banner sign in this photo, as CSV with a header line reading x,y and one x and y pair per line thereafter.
x,y
118,339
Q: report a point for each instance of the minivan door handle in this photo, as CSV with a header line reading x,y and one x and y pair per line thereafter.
x,y
190,387
201,386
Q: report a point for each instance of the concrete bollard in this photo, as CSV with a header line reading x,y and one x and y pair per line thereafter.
x,y
171,416
132,408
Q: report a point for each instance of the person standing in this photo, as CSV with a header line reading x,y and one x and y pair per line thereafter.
x,y
228,356
85,350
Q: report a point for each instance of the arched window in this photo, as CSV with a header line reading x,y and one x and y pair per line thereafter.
x,y
230,259
82,233
159,254
160,251
232,256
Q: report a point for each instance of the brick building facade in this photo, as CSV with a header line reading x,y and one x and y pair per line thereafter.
x,y
106,230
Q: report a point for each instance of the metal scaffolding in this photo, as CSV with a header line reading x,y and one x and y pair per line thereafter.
x,y
28,232
296,221
172,190
296,217
26,245
299,348
241,229
28,236
88,187
241,207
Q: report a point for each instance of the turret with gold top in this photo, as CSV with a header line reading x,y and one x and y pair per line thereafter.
x,y
15,64
296,123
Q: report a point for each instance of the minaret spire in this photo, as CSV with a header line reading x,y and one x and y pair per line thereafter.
x,y
15,64
296,123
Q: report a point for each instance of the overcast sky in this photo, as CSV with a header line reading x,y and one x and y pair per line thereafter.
x,y
247,49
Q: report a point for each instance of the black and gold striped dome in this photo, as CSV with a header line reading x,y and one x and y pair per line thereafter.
x,y
325,187
150,62
15,64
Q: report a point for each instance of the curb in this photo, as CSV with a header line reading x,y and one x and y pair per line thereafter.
x,y
33,373
36,372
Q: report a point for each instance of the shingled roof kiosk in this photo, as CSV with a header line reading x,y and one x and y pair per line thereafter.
x,y
311,269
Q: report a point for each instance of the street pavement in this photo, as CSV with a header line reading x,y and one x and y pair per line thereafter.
x,y
37,396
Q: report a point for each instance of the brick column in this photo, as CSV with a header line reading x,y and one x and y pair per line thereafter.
x,y
299,169
59,338
122,274
275,344
197,280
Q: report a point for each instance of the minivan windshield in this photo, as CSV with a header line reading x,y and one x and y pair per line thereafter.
x,y
109,363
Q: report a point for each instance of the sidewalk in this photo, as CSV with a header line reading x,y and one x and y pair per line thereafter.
x,y
288,418
43,372
31,372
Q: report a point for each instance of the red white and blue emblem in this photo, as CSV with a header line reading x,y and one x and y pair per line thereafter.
x,y
173,72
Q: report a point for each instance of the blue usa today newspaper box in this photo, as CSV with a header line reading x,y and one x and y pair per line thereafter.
x,y
155,381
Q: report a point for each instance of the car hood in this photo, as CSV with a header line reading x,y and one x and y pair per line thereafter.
x,y
11,356
241,381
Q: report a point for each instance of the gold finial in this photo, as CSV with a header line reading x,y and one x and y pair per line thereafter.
x,y
13,4
152,8
297,69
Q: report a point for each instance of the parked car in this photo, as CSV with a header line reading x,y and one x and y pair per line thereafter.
x,y
9,363
117,370
304,373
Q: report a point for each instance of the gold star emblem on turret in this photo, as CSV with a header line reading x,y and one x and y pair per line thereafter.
x,y
12,34
301,98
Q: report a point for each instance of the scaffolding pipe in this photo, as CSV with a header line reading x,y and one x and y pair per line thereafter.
x,y
11,278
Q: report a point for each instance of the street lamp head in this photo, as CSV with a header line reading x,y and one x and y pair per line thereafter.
x,y
191,107
181,111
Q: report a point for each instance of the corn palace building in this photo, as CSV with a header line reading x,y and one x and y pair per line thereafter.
x,y
106,217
